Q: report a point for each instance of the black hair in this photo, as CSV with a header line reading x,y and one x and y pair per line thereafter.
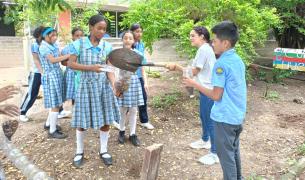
x,y
38,33
129,31
226,30
200,30
96,19
135,26
74,30
44,29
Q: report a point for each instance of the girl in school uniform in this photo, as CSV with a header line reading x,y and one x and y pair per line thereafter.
x,y
139,45
69,75
95,103
130,99
35,77
52,80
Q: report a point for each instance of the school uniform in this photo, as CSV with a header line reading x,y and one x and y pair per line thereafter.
x,y
143,115
69,77
229,112
205,60
133,97
34,84
52,78
95,103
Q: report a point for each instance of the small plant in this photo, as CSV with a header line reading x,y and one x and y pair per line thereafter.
x,y
254,176
278,75
262,75
271,95
166,100
301,149
153,74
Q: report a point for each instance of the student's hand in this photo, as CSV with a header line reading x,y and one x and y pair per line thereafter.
x,y
97,68
7,92
9,110
171,67
67,56
188,82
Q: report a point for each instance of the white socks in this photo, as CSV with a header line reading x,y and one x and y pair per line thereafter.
x,y
53,121
48,119
104,135
80,135
123,111
129,114
132,117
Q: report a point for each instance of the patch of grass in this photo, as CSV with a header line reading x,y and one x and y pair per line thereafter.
x,y
166,100
262,75
254,176
301,149
153,74
280,74
271,95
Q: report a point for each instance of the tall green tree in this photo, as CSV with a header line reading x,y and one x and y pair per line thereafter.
x,y
291,32
176,18
35,11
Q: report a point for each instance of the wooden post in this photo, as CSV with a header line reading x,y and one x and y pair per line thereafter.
x,y
151,162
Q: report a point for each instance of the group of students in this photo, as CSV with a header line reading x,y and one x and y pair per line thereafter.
x,y
90,88
221,83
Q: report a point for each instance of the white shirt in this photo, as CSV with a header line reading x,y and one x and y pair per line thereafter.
x,y
205,60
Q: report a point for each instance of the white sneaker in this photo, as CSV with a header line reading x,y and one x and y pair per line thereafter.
x,y
147,125
63,114
192,96
209,159
116,125
200,144
23,118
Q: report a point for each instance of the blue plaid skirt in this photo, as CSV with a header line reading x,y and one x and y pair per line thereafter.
x,y
52,88
69,77
95,103
133,97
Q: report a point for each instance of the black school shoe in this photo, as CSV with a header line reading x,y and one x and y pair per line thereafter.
x,y
121,138
80,162
45,127
134,140
57,135
107,161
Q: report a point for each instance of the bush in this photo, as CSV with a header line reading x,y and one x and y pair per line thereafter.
x,y
175,19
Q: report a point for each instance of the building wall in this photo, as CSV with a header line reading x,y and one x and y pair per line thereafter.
x,y
11,51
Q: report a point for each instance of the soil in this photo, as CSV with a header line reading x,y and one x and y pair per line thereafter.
x,y
272,132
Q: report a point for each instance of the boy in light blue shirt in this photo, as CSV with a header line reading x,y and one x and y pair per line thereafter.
x,y
230,95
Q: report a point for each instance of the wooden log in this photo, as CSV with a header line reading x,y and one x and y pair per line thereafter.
x,y
151,162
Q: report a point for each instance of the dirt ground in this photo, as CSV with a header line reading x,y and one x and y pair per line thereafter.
x,y
273,131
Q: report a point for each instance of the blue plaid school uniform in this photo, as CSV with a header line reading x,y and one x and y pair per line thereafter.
x,y
69,78
95,103
52,77
133,97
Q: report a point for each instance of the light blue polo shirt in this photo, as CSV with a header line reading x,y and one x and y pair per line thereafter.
x,y
139,46
66,49
103,45
75,49
35,49
229,74
46,49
